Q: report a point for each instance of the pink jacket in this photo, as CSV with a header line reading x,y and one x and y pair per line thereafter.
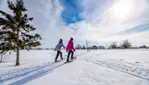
x,y
70,46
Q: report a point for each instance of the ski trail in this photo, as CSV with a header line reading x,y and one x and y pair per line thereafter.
x,y
30,73
21,72
37,74
121,66
100,75
26,75
134,71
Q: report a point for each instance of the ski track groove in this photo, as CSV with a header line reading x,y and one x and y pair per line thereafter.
x,y
24,72
38,74
133,70
142,73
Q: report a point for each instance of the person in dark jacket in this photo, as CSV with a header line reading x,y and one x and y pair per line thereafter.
x,y
58,49
70,49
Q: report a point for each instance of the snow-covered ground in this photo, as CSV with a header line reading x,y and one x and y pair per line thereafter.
x,y
97,67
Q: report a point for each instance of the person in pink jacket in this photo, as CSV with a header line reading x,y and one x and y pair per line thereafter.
x,y
70,49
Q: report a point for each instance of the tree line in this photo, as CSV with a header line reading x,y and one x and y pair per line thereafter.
x,y
124,45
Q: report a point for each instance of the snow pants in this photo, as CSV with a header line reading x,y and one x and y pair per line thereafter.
x,y
58,53
70,53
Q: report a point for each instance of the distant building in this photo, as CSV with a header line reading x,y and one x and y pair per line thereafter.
x,y
94,47
101,47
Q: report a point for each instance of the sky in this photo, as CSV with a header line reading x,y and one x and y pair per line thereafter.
x,y
100,22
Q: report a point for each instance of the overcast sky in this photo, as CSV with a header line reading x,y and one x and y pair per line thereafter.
x,y
99,21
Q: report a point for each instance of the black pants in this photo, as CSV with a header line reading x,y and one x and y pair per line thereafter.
x,y
70,52
58,53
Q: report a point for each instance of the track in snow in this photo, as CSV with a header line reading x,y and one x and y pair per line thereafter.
x,y
24,76
121,66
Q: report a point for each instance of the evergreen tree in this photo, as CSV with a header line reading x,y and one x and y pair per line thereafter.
x,y
16,30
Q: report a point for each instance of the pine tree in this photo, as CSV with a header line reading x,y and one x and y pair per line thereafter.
x,y
16,30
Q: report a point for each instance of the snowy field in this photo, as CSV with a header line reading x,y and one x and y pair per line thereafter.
x,y
102,67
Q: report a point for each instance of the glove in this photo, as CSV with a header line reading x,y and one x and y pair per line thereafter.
x,y
66,50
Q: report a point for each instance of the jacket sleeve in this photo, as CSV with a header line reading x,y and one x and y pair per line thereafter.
x,y
63,46
73,46
56,47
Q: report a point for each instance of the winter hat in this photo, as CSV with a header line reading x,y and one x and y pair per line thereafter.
x,y
60,40
71,38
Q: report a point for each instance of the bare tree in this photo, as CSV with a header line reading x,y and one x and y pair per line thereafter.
x,y
78,46
126,44
113,45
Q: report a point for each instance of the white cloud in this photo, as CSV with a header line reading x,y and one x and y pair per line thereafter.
x,y
106,26
100,24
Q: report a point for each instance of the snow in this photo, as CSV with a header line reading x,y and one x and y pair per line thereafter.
x,y
97,67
